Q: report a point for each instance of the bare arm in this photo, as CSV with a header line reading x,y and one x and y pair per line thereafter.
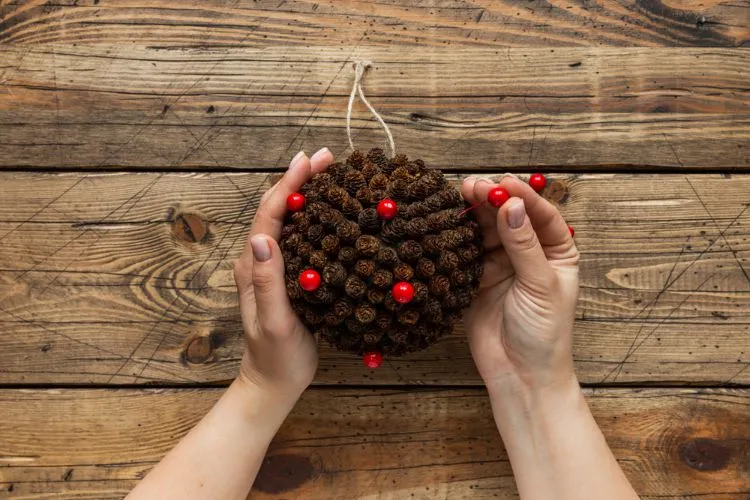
x,y
220,458
555,447
520,331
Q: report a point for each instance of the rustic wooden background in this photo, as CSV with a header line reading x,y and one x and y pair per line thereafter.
x,y
137,136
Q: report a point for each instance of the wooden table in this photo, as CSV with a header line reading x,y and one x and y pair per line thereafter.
x,y
137,137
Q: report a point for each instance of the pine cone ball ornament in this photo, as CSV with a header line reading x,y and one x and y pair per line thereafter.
x,y
421,244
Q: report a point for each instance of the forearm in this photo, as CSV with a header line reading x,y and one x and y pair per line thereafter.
x,y
556,449
221,456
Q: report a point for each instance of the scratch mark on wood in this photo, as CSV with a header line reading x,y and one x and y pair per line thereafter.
x,y
679,275
189,302
44,207
533,140
658,325
674,152
650,306
135,198
721,235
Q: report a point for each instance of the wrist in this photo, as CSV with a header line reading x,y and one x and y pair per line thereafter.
x,y
265,405
518,406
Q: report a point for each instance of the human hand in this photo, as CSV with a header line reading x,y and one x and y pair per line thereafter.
x,y
280,353
520,324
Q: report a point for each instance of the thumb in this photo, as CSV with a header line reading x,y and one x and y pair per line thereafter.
x,y
269,287
522,245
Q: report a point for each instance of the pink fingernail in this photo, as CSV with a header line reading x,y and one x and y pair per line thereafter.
x,y
319,154
296,159
516,213
261,248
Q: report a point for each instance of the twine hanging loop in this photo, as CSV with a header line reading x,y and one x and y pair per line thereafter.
x,y
360,67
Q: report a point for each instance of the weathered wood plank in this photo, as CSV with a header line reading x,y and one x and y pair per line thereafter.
x,y
404,23
567,109
101,283
344,444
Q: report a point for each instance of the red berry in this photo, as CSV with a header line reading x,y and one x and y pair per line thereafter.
x,y
571,231
295,202
309,280
403,292
498,196
387,209
372,359
537,182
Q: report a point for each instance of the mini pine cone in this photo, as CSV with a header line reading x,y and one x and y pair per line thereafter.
x,y
433,243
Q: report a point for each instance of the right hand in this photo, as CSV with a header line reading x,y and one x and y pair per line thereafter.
x,y
520,324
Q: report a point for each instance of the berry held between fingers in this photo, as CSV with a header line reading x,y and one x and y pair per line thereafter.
x,y
498,196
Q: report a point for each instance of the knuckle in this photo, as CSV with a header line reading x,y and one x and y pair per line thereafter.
x,y
267,195
263,212
262,280
526,240
276,324
242,273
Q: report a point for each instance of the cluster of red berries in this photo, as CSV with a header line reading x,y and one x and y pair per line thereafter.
x,y
498,195
309,279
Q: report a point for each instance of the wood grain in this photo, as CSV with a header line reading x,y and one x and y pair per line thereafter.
x,y
127,278
399,23
346,443
566,109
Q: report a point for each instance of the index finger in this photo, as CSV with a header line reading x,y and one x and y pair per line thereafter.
x,y
548,223
269,218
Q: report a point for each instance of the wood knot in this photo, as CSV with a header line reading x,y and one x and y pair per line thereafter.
x,y
199,350
705,454
282,473
558,192
190,228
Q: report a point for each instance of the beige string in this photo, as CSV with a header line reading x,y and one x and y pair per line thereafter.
x,y
360,67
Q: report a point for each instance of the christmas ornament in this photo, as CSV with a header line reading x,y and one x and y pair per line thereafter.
x,y
385,285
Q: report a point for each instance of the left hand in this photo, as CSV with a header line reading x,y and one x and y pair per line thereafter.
x,y
280,354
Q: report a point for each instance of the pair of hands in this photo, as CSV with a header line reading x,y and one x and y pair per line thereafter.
x,y
519,326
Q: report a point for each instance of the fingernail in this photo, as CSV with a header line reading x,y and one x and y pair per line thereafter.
x,y
484,179
318,154
261,248
296,159
470,178
516,213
